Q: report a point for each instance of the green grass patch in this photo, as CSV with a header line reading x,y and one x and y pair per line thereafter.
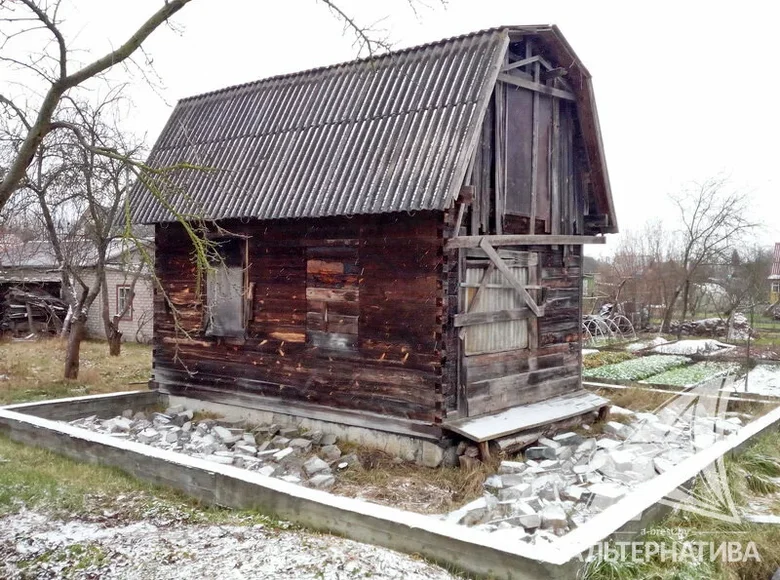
x,y
759,463
636,369
34,478
691,374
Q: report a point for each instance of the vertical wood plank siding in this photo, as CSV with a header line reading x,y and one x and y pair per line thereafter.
x,y
396,368
500,380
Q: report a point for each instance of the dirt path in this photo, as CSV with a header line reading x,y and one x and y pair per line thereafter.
x,y
34,545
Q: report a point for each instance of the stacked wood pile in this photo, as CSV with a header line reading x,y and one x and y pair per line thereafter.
x,y
27,312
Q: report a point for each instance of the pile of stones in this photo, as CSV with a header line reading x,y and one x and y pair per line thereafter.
x,y
563,481
311,458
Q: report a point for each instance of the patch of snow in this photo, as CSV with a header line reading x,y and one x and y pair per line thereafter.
x,y
705,347
34,545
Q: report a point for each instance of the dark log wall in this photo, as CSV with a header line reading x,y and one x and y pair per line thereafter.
x,y
391,282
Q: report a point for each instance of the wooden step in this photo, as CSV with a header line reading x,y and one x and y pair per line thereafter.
x,y
524,417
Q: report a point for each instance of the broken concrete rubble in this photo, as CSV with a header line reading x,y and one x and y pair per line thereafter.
x,y
551,491
265,450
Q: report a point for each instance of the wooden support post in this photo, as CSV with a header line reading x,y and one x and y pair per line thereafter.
x,y
555,172
484,450
463,403
533,323
534,154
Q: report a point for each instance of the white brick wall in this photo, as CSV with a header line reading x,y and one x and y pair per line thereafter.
x,y
135,327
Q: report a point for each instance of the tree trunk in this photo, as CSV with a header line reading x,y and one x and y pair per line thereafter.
x,y
114,340
686,296
670,311
77,328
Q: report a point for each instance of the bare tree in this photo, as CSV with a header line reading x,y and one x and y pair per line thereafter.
x,y
80,195
714,218
53,66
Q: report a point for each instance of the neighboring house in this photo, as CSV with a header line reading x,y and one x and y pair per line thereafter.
x,y
400,240
774,276
32,264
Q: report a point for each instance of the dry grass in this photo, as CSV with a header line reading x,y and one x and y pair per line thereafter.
x,y
637,399
32,371
382,479
605,357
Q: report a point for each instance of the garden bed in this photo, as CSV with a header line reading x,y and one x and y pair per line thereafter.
x,y
691,375
637,369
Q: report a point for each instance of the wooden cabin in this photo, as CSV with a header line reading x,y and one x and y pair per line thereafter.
x,y
399,239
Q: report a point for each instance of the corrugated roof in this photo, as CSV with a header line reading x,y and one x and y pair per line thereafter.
x,y
775,273
372,136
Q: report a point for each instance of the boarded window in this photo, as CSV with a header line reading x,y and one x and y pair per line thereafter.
x,y
225,289
519,147
332,298
497,295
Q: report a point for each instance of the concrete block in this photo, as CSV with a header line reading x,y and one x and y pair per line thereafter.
x,y
289,432
545,442
573,492
330,453
279,441
607,443
553,516
512,467
315,465
615,428
327,439
541,452
148,436
284,453
569,439
322,481
300,444
510,479
267,470
520,491
605,495
431,454
250,450
225,435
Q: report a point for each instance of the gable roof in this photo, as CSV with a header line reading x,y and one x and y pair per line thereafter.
x,y
774,274
386,134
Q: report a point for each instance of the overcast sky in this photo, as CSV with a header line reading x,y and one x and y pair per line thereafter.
x,y
685,90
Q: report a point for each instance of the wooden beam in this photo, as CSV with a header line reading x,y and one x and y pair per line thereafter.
x,y
538,87
510,277
553,74
522,240
519,63
534,155
472,318
555,172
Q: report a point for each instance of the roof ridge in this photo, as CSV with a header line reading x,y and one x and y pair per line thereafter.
x,y
357,61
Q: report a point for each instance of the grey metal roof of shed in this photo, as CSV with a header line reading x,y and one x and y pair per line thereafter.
x,y
379,135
